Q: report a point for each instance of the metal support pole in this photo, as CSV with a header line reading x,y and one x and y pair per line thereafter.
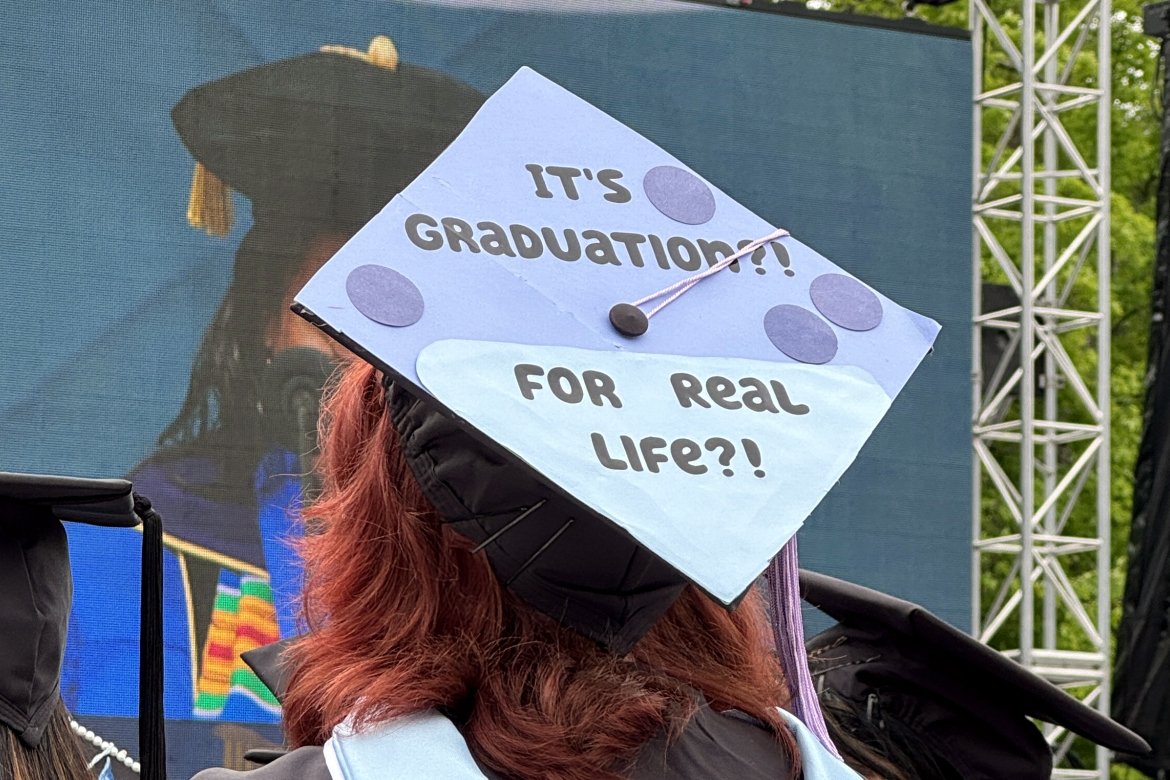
x,y
1027,390
1104,350
1041,498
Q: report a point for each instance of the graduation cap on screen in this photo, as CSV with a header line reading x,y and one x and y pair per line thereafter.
x,y
602,463
958,702
328,137
36,596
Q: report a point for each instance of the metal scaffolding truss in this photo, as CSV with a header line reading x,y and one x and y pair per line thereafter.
x,y
1041,417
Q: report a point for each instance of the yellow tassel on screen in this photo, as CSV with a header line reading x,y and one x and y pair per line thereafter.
x,y
382,52
210,205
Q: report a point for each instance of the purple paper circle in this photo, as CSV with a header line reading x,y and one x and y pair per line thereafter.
x,y
679,194
800,334
846,302
384,295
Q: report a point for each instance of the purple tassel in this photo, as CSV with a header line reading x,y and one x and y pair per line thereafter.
x,y
788,630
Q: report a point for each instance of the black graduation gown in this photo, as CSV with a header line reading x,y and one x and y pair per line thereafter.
x,y
713,745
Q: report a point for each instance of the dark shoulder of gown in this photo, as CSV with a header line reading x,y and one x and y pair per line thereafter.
x,y
307,763
715,746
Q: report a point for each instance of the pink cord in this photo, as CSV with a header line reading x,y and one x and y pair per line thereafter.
x,y
685,284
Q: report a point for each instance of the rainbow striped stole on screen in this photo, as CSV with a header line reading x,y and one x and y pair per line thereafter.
x,y
243,618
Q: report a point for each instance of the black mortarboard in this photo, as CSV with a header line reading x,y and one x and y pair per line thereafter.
x,y
329,137
967,704
36,595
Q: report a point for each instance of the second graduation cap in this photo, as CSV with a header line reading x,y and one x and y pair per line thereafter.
x,y
36,585
506,294
948,701
36,596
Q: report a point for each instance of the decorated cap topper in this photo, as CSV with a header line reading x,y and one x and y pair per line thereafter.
x,y
515,281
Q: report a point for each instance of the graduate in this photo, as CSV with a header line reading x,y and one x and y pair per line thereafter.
x,y
542,518
471,681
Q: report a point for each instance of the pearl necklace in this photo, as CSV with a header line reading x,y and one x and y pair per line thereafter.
x,y
108,748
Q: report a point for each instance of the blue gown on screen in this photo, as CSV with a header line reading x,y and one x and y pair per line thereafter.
x,y
231,578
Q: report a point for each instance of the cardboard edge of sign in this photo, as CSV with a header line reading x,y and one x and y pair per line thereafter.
x,y
361,352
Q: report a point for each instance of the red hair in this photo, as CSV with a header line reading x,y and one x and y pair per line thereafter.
x,y
404,618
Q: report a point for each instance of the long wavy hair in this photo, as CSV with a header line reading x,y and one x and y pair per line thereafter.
x,y
222,415
404,617
58,756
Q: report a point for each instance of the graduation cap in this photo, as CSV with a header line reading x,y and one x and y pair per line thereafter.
x,y
36,596
602,463
961,704
328,137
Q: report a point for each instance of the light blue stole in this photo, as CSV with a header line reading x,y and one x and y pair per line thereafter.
x,y
427,745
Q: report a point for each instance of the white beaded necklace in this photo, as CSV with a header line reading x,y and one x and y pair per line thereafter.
x,y
108,748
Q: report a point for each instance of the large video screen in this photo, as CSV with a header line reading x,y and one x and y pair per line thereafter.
x,y
149,259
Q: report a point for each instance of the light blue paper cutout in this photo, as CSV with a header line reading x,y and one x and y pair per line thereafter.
x,y
506,169
719,531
